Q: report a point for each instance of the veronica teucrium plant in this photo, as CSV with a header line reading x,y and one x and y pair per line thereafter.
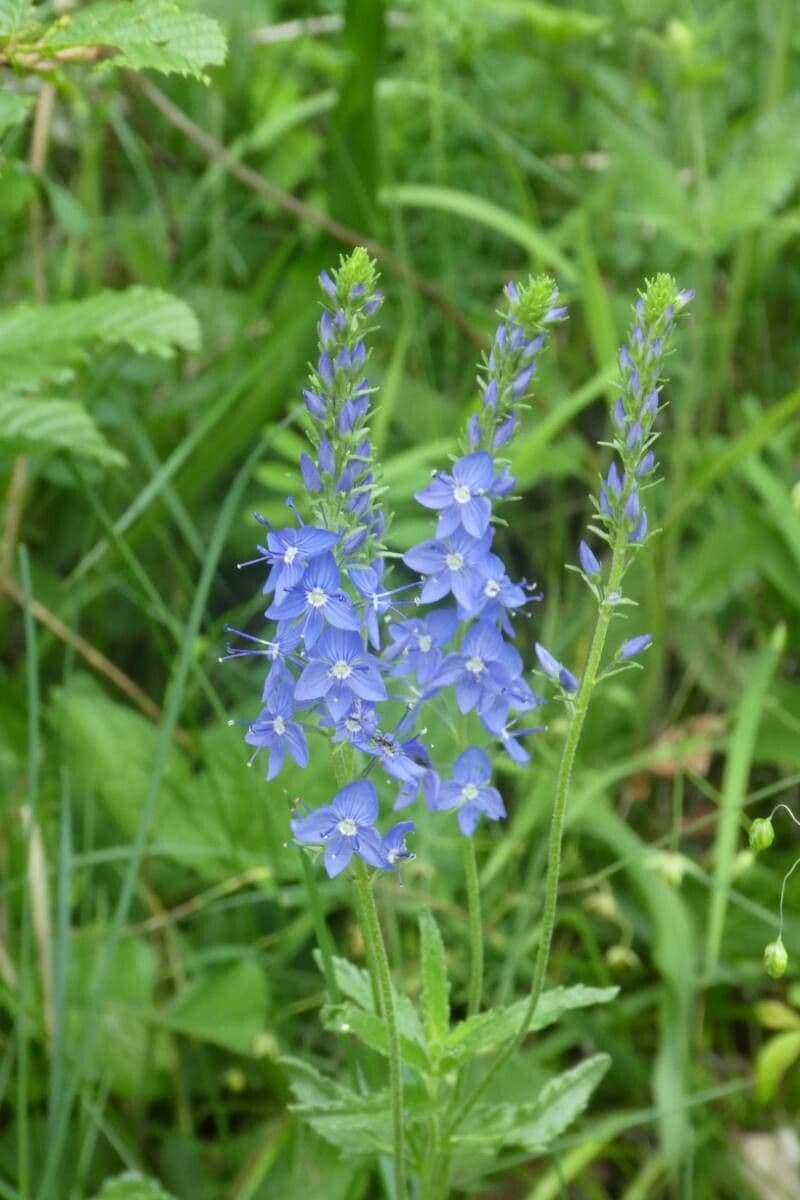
x,y
364,648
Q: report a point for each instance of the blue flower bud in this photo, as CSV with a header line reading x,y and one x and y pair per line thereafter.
x,y
588,559
635,646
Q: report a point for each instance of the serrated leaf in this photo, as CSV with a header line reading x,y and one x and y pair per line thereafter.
x,y
16,16
36,339
46,426
535,1125
481,1033
371,1030
773,1061
226,1007
435,984
132,1186
759,174
13,108
358,1125
156,34
355,984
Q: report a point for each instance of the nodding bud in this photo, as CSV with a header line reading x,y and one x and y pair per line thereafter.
x,y
776,959
762,834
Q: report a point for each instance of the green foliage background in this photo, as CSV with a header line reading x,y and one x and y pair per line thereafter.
x,y
159,247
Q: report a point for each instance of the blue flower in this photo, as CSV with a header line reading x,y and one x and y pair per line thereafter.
x,y
276,731
340,670
318,599
635,646
556,670
454,565
485,663
416,644
290,551
368,582
345,827
469,791
394,843
462,496
356,726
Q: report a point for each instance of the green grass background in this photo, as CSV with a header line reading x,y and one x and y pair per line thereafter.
x,y
155,945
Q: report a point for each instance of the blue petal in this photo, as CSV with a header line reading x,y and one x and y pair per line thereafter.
x,y
338,852
357,802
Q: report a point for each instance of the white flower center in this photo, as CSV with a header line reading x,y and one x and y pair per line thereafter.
x,y
425,642
491,589
347,827
290,554
341,670
474,665
393,856
317,598
469,791
454,561
279,725
461,494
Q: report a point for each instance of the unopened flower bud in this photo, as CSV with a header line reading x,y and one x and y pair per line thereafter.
x,y
775,959
762,834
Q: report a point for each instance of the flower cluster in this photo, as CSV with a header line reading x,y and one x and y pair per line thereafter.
x,y
358,659
621,519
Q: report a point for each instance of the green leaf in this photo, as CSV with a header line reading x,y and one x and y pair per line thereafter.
x,y
35,339
484,1031
371,1030
535,1125
132,1186
435,984
759,175
357,1125
16,17
226,1007
31,424
156,34
13,108
355,984
773,1061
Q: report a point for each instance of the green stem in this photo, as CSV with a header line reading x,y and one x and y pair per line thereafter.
x,y
475,931
563,781
320,926
374,938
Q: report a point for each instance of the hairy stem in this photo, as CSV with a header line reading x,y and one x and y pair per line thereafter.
x,y
557,820
374,939
475,931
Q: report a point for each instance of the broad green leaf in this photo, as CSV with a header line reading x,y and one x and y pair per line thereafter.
x,y
13,108
226,1007
484,212
435,984
484,1031
371,1030
760,173
536,1124
45,426
35,339
132,1186
124,1054
157,34
16,17
773,1061
355,1124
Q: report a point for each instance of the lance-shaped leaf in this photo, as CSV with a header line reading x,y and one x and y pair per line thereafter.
x,y
371,1030
435,984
